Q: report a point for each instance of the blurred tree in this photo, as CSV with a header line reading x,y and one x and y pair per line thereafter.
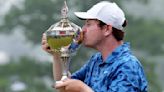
x,y
35,75
146,35
151,76
34,18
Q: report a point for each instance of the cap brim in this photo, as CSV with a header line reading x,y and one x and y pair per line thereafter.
x,y
84,15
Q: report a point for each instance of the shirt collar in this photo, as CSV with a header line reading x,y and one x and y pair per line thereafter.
x,y
116,53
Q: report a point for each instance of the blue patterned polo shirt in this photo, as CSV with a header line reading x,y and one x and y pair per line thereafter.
x,y
121,72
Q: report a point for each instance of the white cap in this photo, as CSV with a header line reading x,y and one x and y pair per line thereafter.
x,y
106,12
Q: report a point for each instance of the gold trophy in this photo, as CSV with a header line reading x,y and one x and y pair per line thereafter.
x,y
64,37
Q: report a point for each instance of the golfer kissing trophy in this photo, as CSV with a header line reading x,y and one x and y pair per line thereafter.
x,y
64,37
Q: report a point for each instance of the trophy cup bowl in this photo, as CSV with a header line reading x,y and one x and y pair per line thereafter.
x,y
62,34
64,37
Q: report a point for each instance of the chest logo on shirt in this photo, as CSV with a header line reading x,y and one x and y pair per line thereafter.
x,y
105,72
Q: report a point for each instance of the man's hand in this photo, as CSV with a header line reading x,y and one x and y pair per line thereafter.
x,y
45,45
72,85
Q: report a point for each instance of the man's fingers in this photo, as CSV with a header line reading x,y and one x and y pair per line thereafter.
x,y
65,79
44,36
45,47
59,85
44,42
62,83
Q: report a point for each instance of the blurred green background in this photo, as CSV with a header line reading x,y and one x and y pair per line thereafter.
x,y
25,67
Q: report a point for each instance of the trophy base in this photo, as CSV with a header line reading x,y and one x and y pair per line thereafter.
x,y
62,79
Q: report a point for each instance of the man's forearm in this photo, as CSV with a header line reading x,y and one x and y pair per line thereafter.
x,y
86,89
57,69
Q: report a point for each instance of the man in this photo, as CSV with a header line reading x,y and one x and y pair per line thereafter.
x,y
113,68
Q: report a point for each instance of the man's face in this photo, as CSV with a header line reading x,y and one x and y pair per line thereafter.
x,y
92,33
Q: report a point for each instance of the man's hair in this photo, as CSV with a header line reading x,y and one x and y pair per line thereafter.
x,y
118,34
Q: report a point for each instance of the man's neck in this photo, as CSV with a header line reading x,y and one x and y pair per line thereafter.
x,y
108,48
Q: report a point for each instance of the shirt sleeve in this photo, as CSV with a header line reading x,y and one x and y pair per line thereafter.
x,y
80,74
128,78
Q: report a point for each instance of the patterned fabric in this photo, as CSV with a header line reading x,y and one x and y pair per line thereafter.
x,y
121,72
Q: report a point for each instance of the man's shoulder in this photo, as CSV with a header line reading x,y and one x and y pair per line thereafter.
x,y
127,56
128,59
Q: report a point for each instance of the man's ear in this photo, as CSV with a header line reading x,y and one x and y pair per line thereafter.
x,y
107,30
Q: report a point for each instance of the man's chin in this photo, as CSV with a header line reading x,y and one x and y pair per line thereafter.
x,y
88,45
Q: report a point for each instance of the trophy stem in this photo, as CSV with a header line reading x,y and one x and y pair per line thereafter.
x,y
65,57
65,65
